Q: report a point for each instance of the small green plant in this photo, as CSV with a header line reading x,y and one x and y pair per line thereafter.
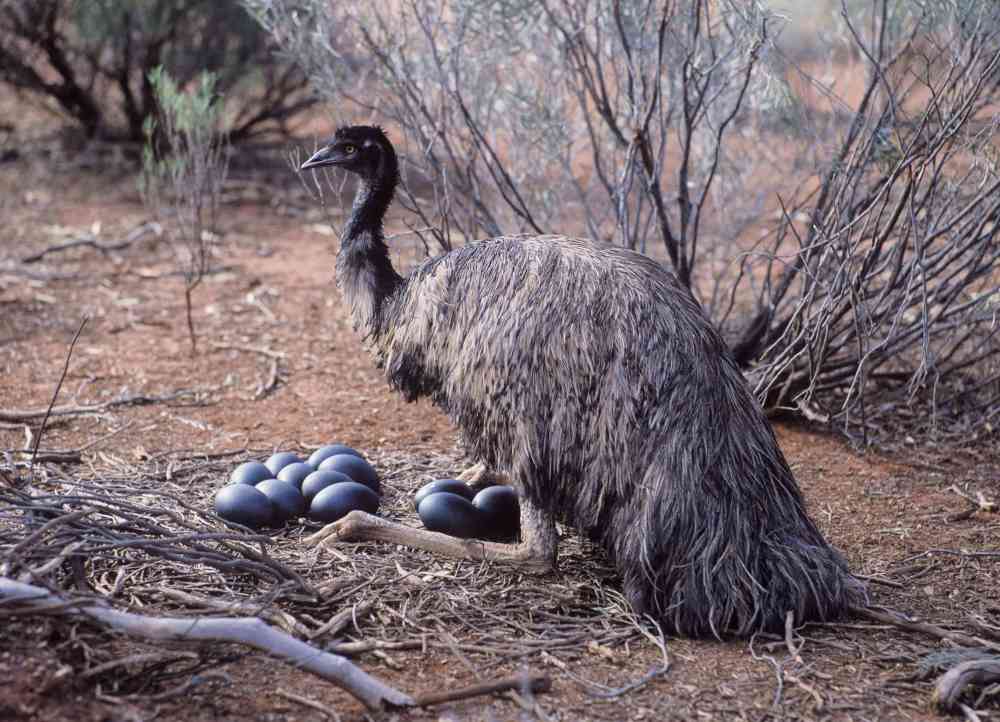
x,y
184,165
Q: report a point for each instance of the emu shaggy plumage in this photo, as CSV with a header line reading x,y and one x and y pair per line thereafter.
x,y
590,377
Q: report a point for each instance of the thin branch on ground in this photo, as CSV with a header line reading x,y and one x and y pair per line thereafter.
x,y
249,631
953,683
898,620
533,683
55,394
77,409
89,241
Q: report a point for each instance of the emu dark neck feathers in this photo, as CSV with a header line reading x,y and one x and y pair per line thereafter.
x,y
364,270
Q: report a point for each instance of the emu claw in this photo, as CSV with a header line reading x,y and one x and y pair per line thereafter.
x,y
479,476
473,474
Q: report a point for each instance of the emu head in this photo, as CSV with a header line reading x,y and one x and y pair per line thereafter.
x,y
361,149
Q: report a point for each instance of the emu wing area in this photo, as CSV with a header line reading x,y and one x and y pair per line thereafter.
x,y
562,362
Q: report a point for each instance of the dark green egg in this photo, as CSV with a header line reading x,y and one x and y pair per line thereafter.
x,y
319,480
277,462
286,500
501,511
337,500
453,486
250,472
244,504
325,452
295,473
356,468
451,514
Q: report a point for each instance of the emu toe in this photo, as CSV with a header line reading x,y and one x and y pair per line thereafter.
x,y
479,476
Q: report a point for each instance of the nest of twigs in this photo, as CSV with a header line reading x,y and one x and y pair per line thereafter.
x,y
145,538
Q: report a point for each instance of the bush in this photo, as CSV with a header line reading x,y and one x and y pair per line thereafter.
x,y
94,58
846,241
184,168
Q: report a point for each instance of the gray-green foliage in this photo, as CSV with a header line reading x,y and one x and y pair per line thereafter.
x,y
497,98
185,163
93,59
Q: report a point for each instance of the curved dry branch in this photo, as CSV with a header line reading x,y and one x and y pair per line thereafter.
x,y
975,672
249,631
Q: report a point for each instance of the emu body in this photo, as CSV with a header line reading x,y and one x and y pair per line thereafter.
x,y
590,377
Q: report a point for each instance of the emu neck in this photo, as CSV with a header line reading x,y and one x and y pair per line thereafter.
x,y
364,271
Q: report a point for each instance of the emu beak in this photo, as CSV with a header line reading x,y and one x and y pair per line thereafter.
x,y
319,159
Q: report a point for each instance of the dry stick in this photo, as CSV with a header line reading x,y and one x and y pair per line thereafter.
x,y
979,501
250,349
536,683
933,630
880,580
270,384
951,684
341,619
72,455
137,659
71,409
353,649
306,702
188,685
279,618
134,235
46,527
62,377
373,693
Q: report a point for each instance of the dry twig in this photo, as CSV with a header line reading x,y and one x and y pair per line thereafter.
x,y
89,241
77,409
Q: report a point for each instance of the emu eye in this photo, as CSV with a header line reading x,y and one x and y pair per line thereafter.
x,y
350,149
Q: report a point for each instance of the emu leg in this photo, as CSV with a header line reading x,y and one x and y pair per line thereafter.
x,y
535,554
479,476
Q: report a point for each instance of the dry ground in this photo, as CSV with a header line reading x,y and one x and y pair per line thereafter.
x,y
273,291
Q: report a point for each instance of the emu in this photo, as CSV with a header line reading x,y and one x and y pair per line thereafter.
x,y
589,376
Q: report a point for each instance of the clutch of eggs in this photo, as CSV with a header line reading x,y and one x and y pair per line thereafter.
x,y
333,481
451,507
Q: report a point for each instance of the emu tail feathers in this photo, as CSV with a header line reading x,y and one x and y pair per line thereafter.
x,y
733,564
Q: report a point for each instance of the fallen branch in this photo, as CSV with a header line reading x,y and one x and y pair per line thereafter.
x,y
354,649
249,631
978,502
522,683
306,702
68,456
897,620
975,672
55,394
280,619
151,658
88,240
250,349
266,387
73,409
341,619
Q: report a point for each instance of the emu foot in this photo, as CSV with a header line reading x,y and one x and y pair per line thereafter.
x,y
530,555
478,477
